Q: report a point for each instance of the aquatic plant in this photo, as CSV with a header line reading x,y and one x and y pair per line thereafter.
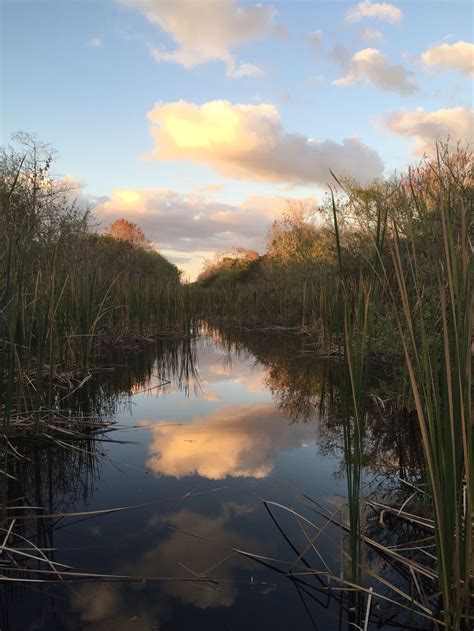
x,y
427,281
66,293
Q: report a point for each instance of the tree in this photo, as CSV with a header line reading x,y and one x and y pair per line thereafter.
x,y
238,265
297,240
125,230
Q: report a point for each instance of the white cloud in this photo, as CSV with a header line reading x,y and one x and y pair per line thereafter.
x,y
458,56
374,10
208,31
371,66
95,42
315,42
426,127
372,35
249,142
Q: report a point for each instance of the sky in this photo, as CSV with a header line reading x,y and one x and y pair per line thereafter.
x,y
199,119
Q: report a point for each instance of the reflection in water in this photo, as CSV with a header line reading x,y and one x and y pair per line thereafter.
x,y
163,367
101,607
304,386
233,407
56,474
300,382
237,441
178,554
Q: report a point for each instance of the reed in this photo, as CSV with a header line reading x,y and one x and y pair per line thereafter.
x,y
439,369
66,293
423,269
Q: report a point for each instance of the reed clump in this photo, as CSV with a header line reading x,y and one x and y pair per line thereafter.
x,y
67,292
422,274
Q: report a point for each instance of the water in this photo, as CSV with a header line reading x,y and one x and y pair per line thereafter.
x,y
238,422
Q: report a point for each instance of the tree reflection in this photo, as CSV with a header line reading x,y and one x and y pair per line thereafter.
x,y
306,386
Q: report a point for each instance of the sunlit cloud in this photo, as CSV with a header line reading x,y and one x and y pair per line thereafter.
x,y
426,128
208,31
210,395
374,10
249,142
99,606
238,441
458,56
371,66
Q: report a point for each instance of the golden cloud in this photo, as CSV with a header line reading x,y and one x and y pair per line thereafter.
x,y
108,606
205,558
249,142
238,441
102,607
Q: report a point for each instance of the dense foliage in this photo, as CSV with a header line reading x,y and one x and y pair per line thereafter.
x,y
293,283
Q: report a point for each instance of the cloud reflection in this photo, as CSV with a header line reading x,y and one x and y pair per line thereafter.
x,y
102,607
137,606
182,555
237,441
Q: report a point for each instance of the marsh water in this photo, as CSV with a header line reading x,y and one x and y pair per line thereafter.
x,y
205,432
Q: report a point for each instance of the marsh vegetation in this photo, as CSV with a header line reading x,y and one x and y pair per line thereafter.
x,y
358,315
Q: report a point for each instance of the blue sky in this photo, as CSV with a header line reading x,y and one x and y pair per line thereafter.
x,y
82,76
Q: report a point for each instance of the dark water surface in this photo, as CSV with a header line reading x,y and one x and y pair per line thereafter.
x,y
239,422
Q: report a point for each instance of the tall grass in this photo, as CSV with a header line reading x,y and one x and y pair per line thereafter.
x,y
62,322
440,370
425,273
67,293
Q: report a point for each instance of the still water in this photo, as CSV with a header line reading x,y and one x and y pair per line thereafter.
x,y
204,432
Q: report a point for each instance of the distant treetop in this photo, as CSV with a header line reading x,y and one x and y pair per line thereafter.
x,y
125,230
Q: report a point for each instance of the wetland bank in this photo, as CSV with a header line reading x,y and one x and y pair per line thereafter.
x,y
285,443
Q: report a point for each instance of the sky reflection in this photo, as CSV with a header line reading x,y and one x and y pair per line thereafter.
x,y
237,441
